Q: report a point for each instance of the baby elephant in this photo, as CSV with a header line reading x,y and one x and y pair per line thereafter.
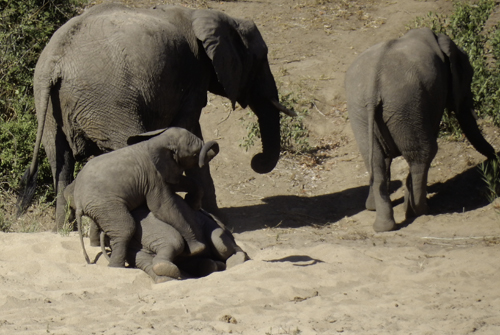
x,y
159,249
148,172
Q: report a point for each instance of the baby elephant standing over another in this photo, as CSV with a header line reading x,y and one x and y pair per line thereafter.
x,y
148,172
396,95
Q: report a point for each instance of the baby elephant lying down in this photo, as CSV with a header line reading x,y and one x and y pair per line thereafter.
x,y
159,249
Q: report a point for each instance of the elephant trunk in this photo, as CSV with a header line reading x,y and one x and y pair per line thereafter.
x,y
269,123
208,152
469,126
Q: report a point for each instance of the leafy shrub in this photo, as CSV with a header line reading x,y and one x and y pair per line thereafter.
x,y
465,26
25,28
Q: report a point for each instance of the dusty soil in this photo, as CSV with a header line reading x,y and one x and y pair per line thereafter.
x,y
317,266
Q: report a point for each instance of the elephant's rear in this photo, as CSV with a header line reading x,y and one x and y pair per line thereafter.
x,y
406,79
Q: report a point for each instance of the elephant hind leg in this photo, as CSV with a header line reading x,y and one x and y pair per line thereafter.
x,y
416,190
370,201
117,222
385,215
416,183
144,261
166,268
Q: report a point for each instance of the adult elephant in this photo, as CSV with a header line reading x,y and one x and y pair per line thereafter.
x,y
396,95
114,72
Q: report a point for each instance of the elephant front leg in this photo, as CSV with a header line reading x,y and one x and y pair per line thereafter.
x,y
370,201
416,190
172,209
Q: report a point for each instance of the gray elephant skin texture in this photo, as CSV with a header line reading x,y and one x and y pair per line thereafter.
x,y
114,72
396,95
149,172
159,249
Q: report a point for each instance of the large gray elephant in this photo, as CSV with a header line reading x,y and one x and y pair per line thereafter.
x,y
396,95
149,172
114,72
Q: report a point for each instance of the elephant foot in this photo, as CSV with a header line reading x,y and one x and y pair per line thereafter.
x,y
167,269
195,247
383,225
238,258
222,243
116,265
370,203
412,213
162,279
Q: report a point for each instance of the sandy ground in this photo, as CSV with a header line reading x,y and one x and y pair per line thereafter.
x,y
316,265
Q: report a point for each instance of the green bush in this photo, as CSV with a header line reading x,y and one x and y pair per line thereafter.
x,y
465,26
25,28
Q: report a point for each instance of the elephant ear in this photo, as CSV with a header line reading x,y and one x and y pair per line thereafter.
x,y
232,46
460,69
144,136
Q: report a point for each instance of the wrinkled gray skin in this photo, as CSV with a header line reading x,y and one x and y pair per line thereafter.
x,y
114,72
396,95
157,248
149,172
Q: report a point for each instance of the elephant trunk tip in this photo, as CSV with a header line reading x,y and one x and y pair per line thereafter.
x,y
208,152
262,164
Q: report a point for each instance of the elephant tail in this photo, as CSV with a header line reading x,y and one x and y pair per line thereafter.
x,y
28,181
372,110
79,214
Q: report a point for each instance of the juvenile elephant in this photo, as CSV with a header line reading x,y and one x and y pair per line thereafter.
x,y
148,172
158,248
114,72
396,95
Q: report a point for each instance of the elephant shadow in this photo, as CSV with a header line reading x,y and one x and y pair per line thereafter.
x,y
290,211
462,193
296,260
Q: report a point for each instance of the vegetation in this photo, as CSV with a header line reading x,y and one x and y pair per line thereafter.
x,y
25,28
490,172
466,27
294,134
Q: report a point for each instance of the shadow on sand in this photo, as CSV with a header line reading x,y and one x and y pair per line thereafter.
x,y
462,193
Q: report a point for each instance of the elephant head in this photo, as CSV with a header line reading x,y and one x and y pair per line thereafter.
x,y
241,73
174,150
460,99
